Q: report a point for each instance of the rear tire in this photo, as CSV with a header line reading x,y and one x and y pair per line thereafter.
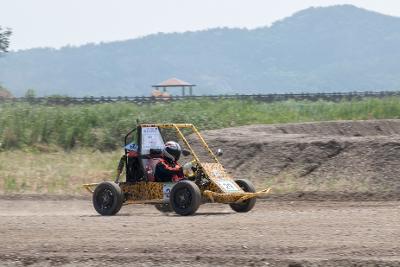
x,y
185,198
246,205
107,198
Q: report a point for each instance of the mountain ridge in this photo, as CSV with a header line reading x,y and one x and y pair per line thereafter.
x,y
338,48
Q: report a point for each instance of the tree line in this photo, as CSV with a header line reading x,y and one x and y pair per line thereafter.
x,y
5,34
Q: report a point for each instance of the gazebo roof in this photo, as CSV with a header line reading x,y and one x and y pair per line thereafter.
x,y
173,82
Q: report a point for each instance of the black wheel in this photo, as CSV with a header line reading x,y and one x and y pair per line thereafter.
x,y
107,198
165,207
185,198
246,205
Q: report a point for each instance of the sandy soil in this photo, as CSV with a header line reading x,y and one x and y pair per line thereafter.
x,y
276,233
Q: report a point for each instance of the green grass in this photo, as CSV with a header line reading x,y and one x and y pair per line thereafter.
x,y
56,172
102,126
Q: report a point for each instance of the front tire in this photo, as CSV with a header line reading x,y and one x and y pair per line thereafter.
x,y
107,198
185,198
248,204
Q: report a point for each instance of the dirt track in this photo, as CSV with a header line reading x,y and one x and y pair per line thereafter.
x,y
279,233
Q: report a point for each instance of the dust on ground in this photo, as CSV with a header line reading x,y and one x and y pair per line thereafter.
x,y
68,232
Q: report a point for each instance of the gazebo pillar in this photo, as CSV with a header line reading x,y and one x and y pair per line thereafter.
x,y
183,90
190,90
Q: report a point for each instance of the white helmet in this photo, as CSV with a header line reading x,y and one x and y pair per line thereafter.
x,y
172,150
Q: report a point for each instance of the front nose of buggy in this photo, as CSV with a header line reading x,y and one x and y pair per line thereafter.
x,y
235,197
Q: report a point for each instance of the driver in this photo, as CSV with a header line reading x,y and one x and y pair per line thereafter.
x,y
168,169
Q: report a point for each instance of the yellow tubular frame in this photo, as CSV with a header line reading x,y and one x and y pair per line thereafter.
x,y
89,187
177,127
182,137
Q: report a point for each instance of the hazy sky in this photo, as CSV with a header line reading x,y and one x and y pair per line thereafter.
x,y
56,23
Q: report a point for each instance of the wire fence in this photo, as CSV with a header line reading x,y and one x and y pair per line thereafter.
x,y
334,97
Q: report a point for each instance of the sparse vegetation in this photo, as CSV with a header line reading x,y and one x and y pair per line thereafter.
x,y
41,128
55,172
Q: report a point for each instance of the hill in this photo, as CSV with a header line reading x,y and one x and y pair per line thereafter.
x,y
338,48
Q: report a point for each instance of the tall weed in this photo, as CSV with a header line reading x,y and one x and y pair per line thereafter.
x,y
103,126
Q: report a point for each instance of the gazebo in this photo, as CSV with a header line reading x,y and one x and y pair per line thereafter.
x,y
174,82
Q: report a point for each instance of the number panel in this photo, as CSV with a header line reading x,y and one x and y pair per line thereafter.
x,y
220,177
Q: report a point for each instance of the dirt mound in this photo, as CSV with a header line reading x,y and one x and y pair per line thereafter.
x,y
353,156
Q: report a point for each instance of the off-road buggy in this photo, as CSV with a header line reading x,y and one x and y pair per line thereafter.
x,y
205,178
